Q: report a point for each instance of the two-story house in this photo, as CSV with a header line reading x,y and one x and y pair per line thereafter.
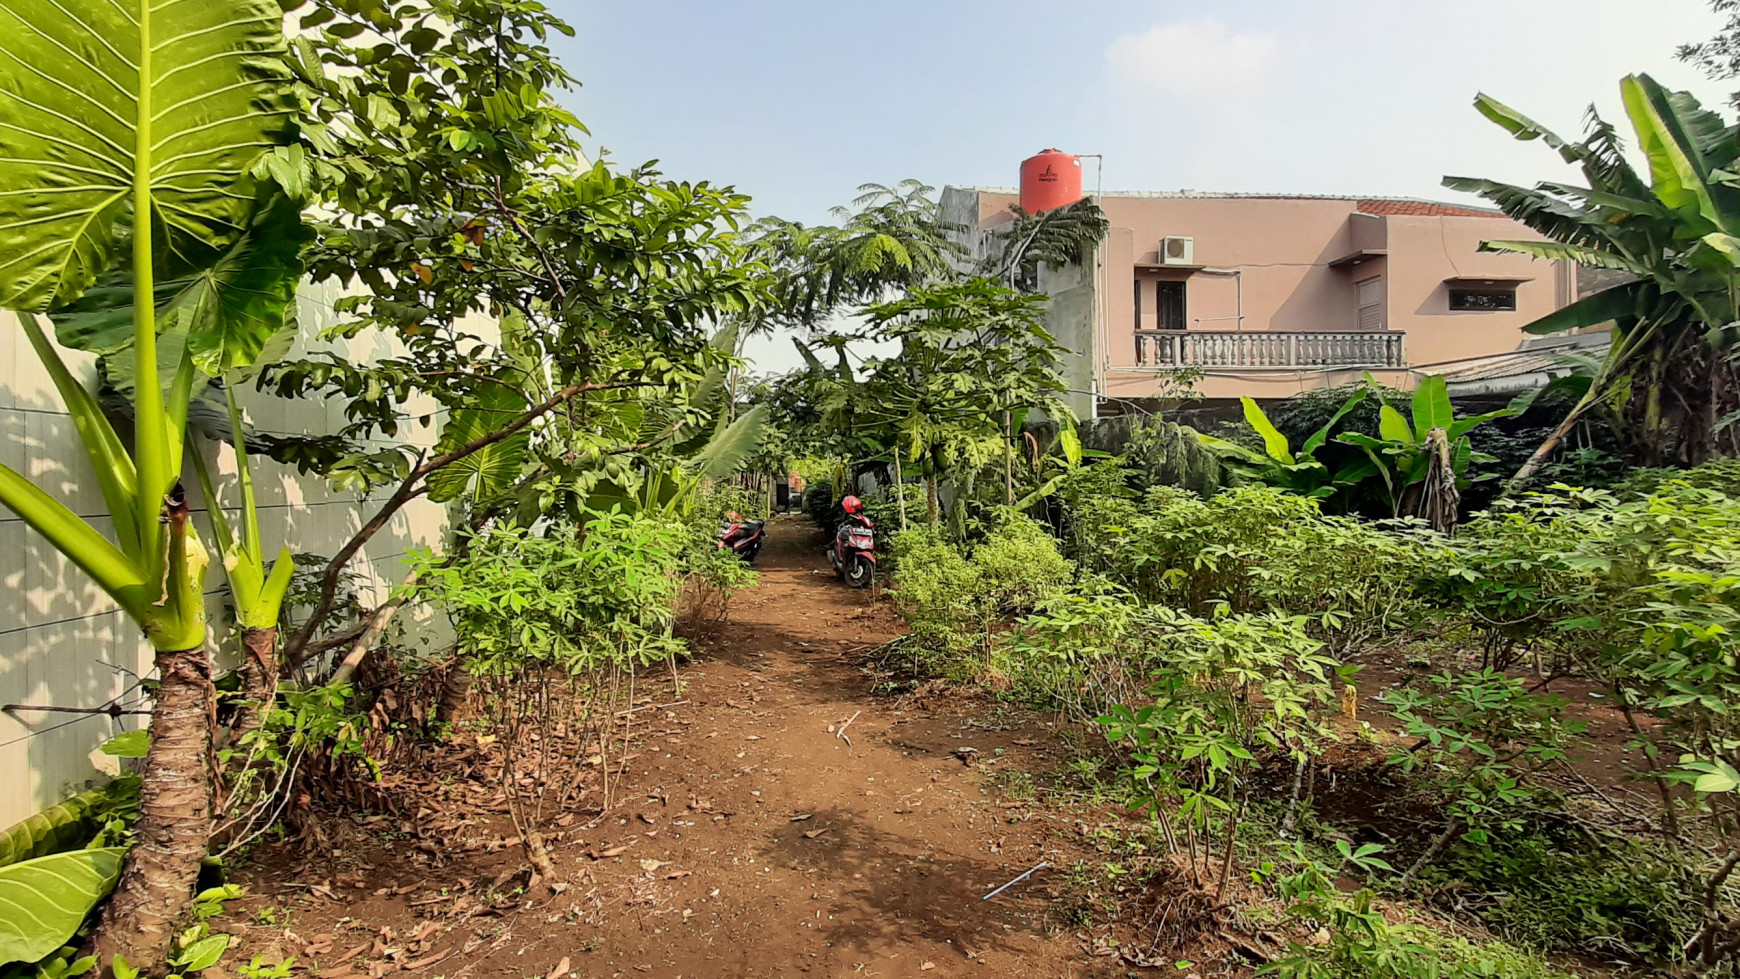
x,y
1269,295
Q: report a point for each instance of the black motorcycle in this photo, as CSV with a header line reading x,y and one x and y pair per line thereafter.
x,y
745,537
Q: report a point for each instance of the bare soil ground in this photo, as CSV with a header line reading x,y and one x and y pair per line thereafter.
x,y
748,837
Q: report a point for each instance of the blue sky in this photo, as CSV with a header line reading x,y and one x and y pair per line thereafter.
x,y
797,103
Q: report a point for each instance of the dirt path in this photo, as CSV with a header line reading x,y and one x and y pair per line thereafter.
x,y
755,841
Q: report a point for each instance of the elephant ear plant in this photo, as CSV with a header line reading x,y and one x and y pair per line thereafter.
x,y
129,130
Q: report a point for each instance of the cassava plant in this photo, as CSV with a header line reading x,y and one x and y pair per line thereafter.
x,y
554,626
131,130
1230,691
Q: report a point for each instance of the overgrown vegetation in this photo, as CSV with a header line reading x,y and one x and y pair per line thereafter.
x,y
1216,640
557,360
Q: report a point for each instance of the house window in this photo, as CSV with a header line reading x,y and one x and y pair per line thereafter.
x,y
1482,300
1138,304
1371,303
1169,305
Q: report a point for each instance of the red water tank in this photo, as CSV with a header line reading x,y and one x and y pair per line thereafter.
x,y
1052,178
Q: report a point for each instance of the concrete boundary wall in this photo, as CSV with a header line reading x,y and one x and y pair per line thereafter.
x,y
63,642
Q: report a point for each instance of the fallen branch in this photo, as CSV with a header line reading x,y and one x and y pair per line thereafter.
x,y
635,710
841,733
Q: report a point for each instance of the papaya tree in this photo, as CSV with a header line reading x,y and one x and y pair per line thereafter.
x,y
131,129
970,355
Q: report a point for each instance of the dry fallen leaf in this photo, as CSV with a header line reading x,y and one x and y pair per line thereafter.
x,y
812,834
927,967
560,970
802,816
650,865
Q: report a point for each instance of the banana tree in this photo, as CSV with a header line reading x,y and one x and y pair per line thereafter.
x,y
1278,465
130,128
1402,456
1676,236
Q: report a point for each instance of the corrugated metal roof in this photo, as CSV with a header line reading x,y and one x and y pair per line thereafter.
x,y
1517,370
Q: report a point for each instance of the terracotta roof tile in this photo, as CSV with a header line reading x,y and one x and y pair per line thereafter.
x,y
1390,206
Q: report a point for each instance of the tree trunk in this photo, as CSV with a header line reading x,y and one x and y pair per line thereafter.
x,y
930,496
1546,449
259,674
455,688
538,854
174,825
1438,846
900,494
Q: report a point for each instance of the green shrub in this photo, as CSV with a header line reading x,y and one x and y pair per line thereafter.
x,y
1257,548
1019,565
568,598
1549,884
1227,693
940,595
1082,651
1354,939
883,507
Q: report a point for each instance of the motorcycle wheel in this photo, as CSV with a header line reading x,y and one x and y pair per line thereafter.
x,y
752,553
860,571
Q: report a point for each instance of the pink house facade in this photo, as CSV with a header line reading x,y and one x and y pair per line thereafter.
x,y
1272,295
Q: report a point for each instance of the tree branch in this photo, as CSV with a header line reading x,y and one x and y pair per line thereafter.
x,y
296,651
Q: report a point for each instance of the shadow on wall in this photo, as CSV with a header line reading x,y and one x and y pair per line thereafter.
x,y
64,643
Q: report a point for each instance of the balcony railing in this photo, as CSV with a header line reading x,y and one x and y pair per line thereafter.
x,y
1281,348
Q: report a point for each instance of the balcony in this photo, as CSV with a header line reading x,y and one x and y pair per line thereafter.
x,y
1274,349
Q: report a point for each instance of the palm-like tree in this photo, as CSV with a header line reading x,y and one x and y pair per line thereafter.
x,y
1060,236
1675,233
888,239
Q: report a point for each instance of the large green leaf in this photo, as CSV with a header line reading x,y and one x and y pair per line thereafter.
x,y
1274,442
59,827
1320,436
1393,427
185,95
725,452
1519,125
230,310
494,467
1620,302
43,901
1677,169
1431,406
709,393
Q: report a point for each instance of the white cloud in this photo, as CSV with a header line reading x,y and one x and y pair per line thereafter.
x,y
1191,56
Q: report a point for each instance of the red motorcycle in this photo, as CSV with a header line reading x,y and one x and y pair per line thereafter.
x,y
745,537
853,552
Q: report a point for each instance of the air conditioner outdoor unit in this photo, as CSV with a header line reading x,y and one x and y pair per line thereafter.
x,y
1177,251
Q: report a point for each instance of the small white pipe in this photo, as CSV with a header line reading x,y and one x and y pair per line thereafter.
x,y
1239,291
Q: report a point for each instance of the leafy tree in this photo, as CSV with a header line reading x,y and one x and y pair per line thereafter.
x,y
134,203
1423,461
891,238
1719,57
603,282
1672,234
968,353
1060,236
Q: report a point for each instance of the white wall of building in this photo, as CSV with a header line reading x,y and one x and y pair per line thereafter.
x,y
62,641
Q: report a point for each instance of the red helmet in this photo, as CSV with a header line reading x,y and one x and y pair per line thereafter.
x,y
852,504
